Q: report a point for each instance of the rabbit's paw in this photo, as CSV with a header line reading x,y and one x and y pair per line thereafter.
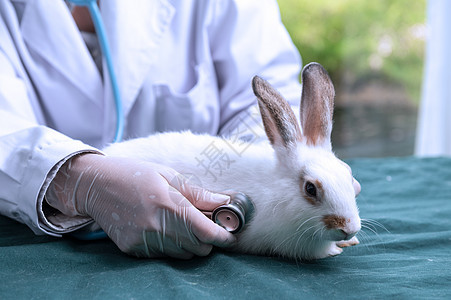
x,y
352,242
333,250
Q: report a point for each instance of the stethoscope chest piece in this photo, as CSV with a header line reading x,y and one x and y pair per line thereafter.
x,y
236,214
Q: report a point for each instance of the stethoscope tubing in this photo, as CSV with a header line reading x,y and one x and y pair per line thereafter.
x,y
104,47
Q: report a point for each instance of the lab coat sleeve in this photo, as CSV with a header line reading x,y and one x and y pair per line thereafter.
x,y
29,156
248,39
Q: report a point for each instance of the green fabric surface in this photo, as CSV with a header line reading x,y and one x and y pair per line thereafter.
x,y
407,256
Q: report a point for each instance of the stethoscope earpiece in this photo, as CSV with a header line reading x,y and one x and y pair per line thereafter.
x,y
236,214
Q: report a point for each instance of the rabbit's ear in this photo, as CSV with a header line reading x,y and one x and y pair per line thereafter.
x,y
317,105
280,123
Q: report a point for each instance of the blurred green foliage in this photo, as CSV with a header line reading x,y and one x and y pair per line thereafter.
x,y
357,39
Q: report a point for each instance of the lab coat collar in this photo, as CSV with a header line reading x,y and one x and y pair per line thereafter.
x,y
71,57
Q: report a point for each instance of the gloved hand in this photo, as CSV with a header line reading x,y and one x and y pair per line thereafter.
x,y
147,209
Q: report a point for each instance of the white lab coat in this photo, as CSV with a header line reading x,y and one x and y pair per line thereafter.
x,y
180,65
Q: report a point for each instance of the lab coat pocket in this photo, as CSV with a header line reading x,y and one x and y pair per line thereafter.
x,y
173,111
193,110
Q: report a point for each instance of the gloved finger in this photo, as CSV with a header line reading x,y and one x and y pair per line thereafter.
x,y
156,244
176,238
195,247
181,230
201,198
204,199
207,231
199,250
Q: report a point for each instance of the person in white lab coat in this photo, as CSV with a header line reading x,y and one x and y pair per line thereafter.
x,y
180,65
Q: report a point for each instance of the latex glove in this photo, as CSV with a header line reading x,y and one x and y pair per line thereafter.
x,y
147,209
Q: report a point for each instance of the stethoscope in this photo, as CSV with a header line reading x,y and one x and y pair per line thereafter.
x,y
103,41
235,215
232,216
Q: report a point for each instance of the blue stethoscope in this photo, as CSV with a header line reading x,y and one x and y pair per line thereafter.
x,y
101,35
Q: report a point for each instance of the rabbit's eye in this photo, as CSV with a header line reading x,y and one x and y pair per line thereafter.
x,y
310,189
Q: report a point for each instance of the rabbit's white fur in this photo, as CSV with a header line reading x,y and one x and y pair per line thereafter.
x,y
273,175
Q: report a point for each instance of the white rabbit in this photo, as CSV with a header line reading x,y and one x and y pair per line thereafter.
x,y
304,196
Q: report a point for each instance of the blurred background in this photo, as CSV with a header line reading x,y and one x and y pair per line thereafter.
x,y
374,52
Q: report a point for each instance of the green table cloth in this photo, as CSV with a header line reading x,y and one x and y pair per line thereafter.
x,y
407,256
